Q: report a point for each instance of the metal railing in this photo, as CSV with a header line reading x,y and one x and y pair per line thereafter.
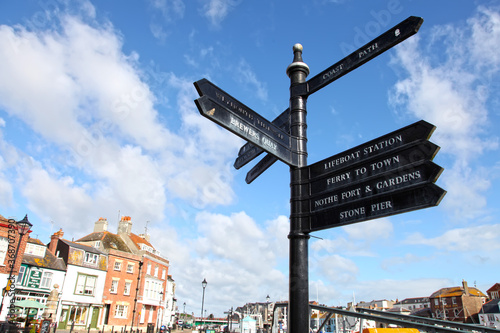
x,y
388,318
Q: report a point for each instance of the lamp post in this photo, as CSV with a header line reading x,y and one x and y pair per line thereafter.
x,y
266,324
23,227
204,285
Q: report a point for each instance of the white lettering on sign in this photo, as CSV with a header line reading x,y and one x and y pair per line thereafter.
x,y
383,144
333,71
269,143
360,211
384,163
342,160
244,128
339,178
351,193
381,206
234,106
398,180
325,201
368,50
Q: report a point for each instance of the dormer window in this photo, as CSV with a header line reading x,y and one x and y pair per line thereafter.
x,y
35,249
91,258
97,244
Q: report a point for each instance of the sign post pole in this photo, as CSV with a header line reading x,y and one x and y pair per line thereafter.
x,y
298,315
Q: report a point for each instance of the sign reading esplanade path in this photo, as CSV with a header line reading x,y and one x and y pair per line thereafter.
x,y
389,175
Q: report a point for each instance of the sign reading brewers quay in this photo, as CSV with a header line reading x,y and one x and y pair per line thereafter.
x,y
388,175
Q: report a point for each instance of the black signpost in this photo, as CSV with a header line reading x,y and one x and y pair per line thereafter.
x,y
385,176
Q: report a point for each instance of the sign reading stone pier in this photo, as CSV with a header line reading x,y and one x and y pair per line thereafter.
x,y
385,176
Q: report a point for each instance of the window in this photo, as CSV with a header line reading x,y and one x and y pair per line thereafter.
x,y
163,274
97,244
85,284
454,300
128,286
4,244
114,287
20,275
78,315
46,280
121,311
149,269
35,249
156,270
91,258
130,268
118,266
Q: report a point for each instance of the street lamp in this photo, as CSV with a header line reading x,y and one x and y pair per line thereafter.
x,y
204,285
23,227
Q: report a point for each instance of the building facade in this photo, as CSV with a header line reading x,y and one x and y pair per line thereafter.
x,y
10,244
40,272
457,303
81,300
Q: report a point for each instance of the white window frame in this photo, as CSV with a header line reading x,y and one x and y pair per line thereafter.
x,y
85,284
121,311
127,288
4,245
114,287
91,258
117,266
130,268
164,274
46,280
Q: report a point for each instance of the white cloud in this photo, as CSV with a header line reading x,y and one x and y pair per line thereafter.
x,y
217,10
479,239
450,90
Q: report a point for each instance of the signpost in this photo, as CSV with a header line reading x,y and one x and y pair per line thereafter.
x,y
236,117
385,176
248,151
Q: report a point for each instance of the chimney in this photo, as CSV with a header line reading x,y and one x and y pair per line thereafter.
x,y
125,225
466,288
54,239
101,225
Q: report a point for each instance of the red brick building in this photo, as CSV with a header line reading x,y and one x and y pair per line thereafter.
x,y
457,303
133,262
9,243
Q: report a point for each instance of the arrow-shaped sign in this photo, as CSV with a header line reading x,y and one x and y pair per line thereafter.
x,y
249,151
387,204
379,45
247,125
404,156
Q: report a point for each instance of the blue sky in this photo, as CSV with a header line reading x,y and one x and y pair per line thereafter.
x,y
97,119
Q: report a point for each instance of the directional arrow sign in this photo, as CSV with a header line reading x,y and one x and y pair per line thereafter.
x,y
247,126
282,121
405,156
420,130
402,178
392,37
387,204
260,167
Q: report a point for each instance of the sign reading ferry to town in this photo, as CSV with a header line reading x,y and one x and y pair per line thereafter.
x,y
386,176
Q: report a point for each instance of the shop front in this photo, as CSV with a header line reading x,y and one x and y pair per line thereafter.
x,y
79,315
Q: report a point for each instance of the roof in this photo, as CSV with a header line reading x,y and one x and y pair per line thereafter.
x,y
492,306
86,248
139,240
108,241
496,286
456,291
413,300
48,261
